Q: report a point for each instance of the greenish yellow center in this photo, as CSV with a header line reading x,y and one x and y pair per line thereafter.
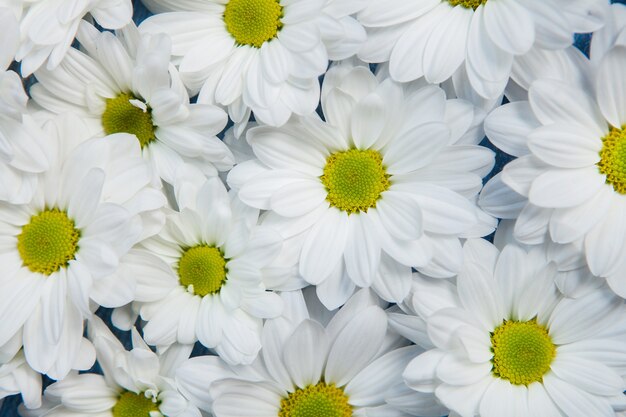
x,y
202,269
121,116
253,22
468,4
134,405
48,242
319,400
522,351
613,159
355,179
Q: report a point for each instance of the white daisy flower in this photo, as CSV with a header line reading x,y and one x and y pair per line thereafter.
x,y
127,84
310,367
205,277
434,38
87,211
16,377
259,55
385,184
569,180
508,343
613,33
137,383
48,27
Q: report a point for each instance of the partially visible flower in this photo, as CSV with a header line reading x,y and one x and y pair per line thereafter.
x,y
612,34
138,382
126,84
16,377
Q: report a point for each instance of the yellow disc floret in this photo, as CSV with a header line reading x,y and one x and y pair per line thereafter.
x,y
48,242
355,179
253,22
522,351
121,116
468,4
202,268
613,159
134,405
319,400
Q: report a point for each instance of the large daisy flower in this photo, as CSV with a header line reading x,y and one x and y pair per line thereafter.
x,y
385,184
434,38
137,383
264,55
48,27
310,367
204,277
85,214
508,343
127,84
569,180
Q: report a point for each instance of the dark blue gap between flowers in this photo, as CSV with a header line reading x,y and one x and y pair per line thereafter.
x,y
10,405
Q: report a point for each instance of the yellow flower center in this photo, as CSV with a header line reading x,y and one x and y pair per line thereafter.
x,y
468,4
134,405
355,179
121,116
522,351
202,269
253,22
48,242
319,400
613,159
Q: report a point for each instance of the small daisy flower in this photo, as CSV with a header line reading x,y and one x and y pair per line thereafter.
x,y
507,342
138,383
385,184
259,55
349,366
126,84
568,183
16,377
87,211
434,38
204,277
48,27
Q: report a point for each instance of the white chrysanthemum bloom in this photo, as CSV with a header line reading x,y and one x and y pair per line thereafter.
x,y
385,184
259,55
613,33
48,27
311,367
204,277
569,181
434,38
16,377
508,343
92,205
137,383
127,84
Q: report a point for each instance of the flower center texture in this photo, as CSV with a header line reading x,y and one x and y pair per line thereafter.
x,y
121,116
468,4
319,400
613,159
253,22
202,269
522,351
48,242
134,405
355,179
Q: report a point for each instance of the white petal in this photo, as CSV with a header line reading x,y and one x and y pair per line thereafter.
x,y
305,353
611,86
510,26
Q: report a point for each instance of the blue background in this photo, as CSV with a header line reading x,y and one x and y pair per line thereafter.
x,y
9,408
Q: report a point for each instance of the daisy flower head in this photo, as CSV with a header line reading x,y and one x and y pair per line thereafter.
x,y
309,366
383,185
48,27
568,182
205,278
137,383
435,38
259,55
71,234
126,84
507,342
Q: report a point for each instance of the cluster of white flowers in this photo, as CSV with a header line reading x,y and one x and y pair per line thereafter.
x,y
300,189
